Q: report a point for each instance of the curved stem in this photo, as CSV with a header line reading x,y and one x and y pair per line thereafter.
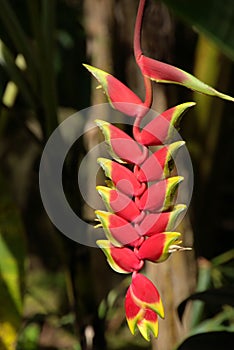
x,y
137,31
136,129
138,52
148,93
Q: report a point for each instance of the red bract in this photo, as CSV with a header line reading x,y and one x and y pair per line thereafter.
x,y
157,247
162,128
118,230
166,73
119,203
159,197
145,319
124,179
148,324
134,313
159,164
145,294
160,222
142,215
122,260
121,146
119,95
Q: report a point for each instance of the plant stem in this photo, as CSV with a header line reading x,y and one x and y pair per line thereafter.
x,y
137,31
138,54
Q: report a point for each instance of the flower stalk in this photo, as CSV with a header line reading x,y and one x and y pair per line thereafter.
x,y
141,211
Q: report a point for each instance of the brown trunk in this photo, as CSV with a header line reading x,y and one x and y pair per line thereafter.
x,y
98,16
175,280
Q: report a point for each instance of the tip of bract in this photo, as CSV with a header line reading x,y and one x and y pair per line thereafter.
x,y
174,181
174,148
98,73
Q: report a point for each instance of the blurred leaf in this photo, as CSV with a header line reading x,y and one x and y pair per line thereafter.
x,y
29,337
102,309
12,252
207,341
219,327
223,258
65,39
17,75
42,17
213,18
39,89
16,33
45,292
47,54
203,283
217,297
223,321
227,272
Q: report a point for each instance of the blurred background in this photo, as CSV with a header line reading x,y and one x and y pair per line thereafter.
x,y
56,293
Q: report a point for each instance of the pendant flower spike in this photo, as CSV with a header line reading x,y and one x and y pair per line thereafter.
x,y
141,214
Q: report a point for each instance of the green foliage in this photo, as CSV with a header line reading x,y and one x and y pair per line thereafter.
x,y
35,50
12,257
213,18
29,338
45,34
213,304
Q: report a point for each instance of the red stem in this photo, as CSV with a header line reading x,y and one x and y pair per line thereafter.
x,y
137,31
148,93
136,129
138,54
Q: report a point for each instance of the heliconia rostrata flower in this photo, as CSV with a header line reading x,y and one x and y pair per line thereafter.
x,y
141,211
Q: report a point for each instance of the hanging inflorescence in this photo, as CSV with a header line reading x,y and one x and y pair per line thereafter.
x,y
142,214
